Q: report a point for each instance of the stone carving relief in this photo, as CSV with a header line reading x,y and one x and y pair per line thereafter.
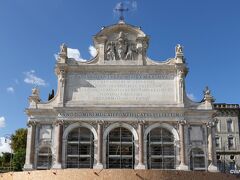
x,y
45,132
121,48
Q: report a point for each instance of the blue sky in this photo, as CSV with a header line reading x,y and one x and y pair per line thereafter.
x,y
32,30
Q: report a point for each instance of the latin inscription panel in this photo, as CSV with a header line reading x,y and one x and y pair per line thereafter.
x,y
93,88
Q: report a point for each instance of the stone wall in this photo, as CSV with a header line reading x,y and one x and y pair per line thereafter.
x,y
109,174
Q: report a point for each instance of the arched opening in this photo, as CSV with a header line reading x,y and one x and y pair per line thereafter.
x,y
44,158
160,149
197,160
120,149
80,148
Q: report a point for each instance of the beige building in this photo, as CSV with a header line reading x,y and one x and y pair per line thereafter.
x,y
121,110
227,136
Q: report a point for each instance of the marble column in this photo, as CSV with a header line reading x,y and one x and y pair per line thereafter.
x,y
182,165
211,147
140,146
30,149
57,144
99,164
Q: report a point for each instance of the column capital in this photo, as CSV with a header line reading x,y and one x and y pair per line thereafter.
x,y
182,122
142,122
210,124
31,123
58,122
101,122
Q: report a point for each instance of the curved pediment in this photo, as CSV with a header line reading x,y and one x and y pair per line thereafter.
x,y
106,31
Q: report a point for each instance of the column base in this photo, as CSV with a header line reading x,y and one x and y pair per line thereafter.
x,y
140,166
28,167
98,166
182,167
57,166
212,168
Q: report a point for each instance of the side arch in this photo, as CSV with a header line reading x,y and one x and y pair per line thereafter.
x,y
162,125
65,136
75,125
170,129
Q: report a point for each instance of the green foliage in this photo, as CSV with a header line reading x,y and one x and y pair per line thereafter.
x,y
5,160
19,140
19,159
15,161
18,144
6,157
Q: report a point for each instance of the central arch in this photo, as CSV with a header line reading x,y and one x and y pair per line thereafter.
x,y
121,126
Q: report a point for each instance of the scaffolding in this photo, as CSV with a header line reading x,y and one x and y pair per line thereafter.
x,y
160,149
197,160
80,148
120,149
44,159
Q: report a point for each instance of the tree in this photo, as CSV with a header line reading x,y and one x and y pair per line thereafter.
x,y
18,145
19,159
19,140
5,162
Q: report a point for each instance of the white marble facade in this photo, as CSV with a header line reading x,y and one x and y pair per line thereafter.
x,y
121,87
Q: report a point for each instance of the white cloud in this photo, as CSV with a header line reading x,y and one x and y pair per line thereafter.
x,y
134,5
130,5
56,57
4,145
2,122
191,96
92,50
31,78
10,89
75,54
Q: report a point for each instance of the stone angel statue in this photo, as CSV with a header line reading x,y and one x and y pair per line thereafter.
x,y
179,49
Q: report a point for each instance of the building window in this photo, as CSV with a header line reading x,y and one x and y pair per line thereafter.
x,y
232,157
160,149
44,158
232,165
229,125
197,160
218,126
230,143
120,149
220,163
80,148
217,139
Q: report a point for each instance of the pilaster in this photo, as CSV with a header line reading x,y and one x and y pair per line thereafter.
x,y
57,145
182,165
140,146
211,147
30,149
99,164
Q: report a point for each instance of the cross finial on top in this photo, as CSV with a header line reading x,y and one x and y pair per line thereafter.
x,y
121,9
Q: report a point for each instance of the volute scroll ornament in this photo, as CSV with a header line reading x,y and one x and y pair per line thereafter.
x,y
31,123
